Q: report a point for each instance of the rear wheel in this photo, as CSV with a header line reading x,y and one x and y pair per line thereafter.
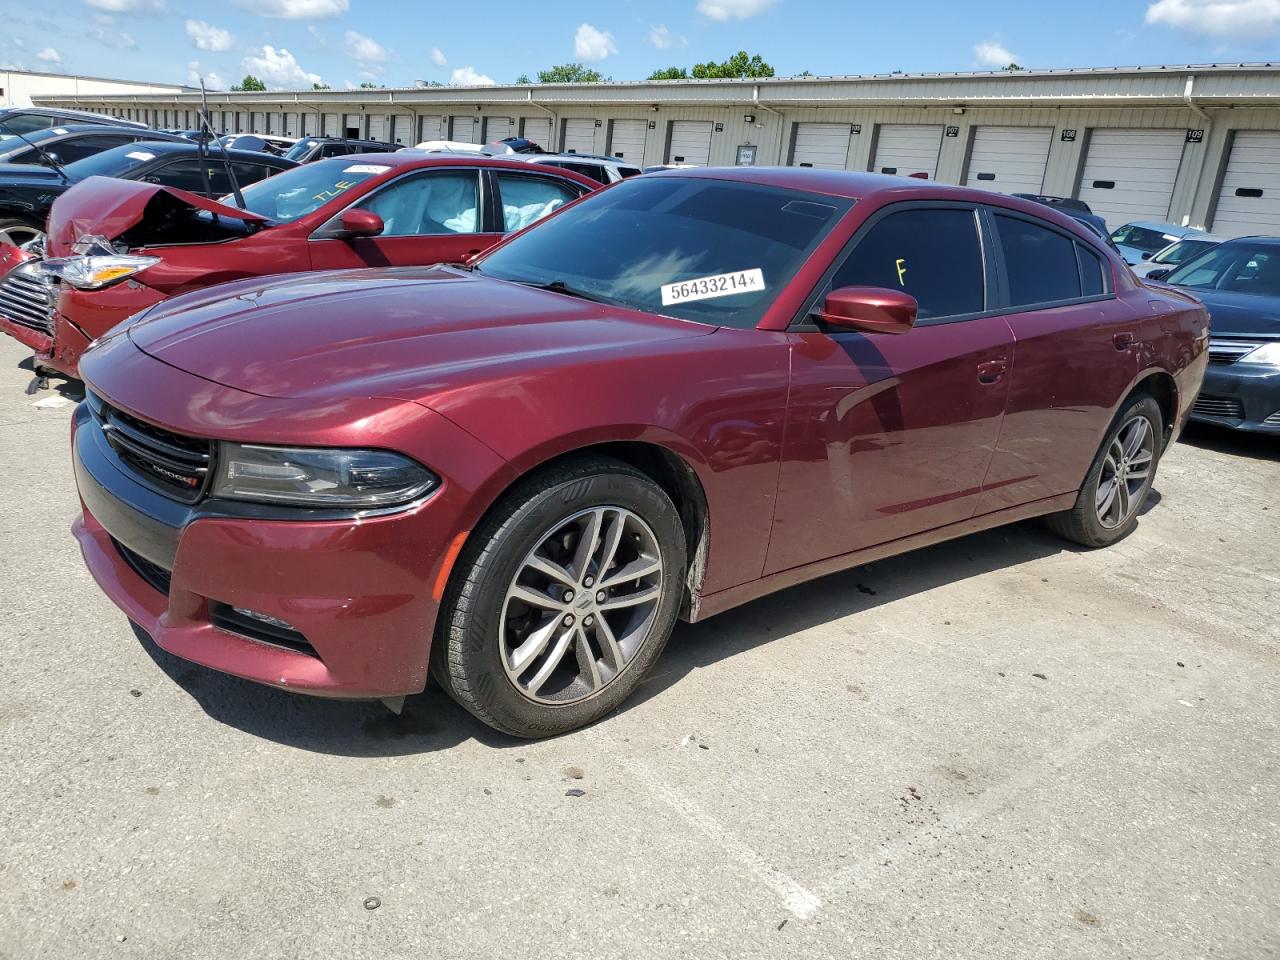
x,y
1119,479
563,599
17,231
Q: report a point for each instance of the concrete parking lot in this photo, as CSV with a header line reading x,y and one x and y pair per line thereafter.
x,y
998,747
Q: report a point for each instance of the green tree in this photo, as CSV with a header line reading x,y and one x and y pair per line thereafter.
x,y
1014,67
670,73
738,67
523,78
321,86
370,85
570,73
250,82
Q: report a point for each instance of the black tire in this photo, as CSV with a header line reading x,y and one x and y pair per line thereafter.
x,y
1082,524
28,229
467,656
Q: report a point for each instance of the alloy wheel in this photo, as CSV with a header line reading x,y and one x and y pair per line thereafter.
x,y
17,234
1126,472
581,605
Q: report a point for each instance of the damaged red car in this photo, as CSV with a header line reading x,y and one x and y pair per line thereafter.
x,y
679,394
114,248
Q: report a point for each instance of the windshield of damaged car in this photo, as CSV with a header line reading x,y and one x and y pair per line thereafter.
x,y
297,192
712,251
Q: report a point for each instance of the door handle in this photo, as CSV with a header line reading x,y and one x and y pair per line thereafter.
x,y
1122,341
990,371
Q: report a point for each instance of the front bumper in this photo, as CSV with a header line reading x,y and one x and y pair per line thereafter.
x,y
1242,396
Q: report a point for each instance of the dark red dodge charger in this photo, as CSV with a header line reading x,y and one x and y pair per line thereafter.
x,y
672,397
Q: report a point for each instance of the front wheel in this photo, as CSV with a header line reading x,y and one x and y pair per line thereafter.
x,y
1119,478
16,231
563,599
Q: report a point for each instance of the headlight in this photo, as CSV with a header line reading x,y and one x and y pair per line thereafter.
x,y
1268,353
317,477
94,273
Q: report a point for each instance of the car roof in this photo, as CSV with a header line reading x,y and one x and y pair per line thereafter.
x,y
1255,241
67,129
1162,227
183,145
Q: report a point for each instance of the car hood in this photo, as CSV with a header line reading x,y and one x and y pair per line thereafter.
x,y
1240,314
109,208
404,333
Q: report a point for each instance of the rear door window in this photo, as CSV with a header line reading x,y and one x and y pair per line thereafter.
x,y
932,254
1040,263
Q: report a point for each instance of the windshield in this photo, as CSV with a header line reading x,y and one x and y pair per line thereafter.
x,y
295,193
300,149
12,144
712,251
1142,238
1182,251
1237,267
115,162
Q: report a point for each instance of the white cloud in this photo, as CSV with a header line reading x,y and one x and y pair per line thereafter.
x,y
992,53
208,37
49,55
732,9
1239,19
211,80
278,69
116,39
295,9
437,57
664,39
126,6
364,50
469,77
590,44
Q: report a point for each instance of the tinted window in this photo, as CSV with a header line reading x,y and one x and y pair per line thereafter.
x,y
934,255
116,162
592,170
1040,263
77,148
1092,282
629,171
26,122
248,172
185,175
624,244
428,204
1142,238
526,199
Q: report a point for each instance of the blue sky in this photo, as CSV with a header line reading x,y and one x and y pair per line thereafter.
x,y
292,43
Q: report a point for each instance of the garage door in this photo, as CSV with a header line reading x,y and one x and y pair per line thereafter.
x,y
401,129
626,139
464,129
378,127
430,128
496,128
1009,159
537,129
291,128
821,145
332,125
1128,174
579,136
353,125
242,121
907,148
1249,199
690,142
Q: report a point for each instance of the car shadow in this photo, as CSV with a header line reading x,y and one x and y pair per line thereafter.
x,y
431,721
56,383
1207,436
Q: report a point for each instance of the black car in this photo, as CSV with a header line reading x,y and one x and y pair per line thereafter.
x,y
26,119
71,143
27,191
319,148
1075,209
1239,281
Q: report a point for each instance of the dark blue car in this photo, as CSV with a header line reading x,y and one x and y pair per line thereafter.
x,y
1239,281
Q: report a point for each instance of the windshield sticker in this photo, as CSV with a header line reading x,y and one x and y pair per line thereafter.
x,y
59,130
720,285
365,168
140,155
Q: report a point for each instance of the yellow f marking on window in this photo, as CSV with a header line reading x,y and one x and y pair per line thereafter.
x,y
902,271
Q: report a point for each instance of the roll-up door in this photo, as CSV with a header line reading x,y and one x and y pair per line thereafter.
x,y
579,136
463,129
400,129
537,129
626,139
429,129
1129,174
690,142
1009,159
1249,198
377,127
242,121
496,128
257,122
821,145
907,149
332,125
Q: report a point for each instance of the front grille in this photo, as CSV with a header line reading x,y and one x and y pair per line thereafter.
x,y
1273,420
1229,407
226,617
156,576
177,465
1226,350
27,298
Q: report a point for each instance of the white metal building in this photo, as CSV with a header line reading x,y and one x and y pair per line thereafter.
x,y
1197,145
18,87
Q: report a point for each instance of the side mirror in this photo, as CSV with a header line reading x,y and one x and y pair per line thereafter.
x,y
49,158
1158,274
360,223
1147,256
869,309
